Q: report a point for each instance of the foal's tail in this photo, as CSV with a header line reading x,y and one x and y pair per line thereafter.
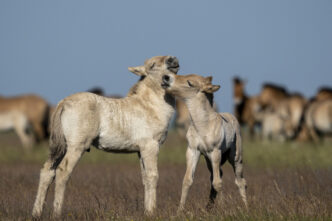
x,y
58,144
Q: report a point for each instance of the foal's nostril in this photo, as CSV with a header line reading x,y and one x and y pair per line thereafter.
x,y
166,78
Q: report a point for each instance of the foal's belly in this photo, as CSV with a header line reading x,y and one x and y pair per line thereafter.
x,y
115,144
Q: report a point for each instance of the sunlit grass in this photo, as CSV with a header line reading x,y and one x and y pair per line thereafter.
x,y
257,154
289,154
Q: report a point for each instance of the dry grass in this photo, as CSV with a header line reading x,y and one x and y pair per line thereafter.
x,y
286,182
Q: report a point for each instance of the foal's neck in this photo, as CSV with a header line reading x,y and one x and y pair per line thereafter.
x,y
201,111
151,93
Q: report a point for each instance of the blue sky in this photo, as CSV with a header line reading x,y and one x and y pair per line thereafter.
x,y
57,48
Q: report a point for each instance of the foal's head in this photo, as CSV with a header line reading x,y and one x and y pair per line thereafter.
x,y
189,86
156,67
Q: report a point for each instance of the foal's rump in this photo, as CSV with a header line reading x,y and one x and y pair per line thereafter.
x,y
74,120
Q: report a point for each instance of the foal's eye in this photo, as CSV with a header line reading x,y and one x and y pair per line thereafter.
x,y
190,84
152,66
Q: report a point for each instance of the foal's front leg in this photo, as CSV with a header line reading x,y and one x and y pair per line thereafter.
x,y
192,157
149,166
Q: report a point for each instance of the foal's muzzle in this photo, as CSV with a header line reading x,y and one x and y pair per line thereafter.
x,y
173,64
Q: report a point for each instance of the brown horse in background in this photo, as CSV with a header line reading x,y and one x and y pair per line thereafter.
x,y
271,95
32,108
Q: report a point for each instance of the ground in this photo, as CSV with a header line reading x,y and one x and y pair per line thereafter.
x,y
290,181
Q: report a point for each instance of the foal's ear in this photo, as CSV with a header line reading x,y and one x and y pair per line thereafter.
x,y
211,88
209,79
139,70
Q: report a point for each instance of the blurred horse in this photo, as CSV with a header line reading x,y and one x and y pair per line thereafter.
x,y
245,107
288,107
324,93
273,126
271,95
318,118
27,114
291,110
17,121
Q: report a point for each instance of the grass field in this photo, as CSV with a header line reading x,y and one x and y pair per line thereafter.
x,y
291,181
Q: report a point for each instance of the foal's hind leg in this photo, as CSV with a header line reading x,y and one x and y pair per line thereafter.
x,y
235,158
63,172
47,174
213,192
239,180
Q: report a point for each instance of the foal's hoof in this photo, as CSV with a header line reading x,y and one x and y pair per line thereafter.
x,y
35,218
148,213
210,206
180,210
36,215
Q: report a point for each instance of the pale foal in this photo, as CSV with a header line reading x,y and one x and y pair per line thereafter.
x,y
215,135
137,123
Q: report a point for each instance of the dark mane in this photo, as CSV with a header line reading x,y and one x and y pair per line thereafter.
x,y
275,87
297,94
133,89
237,80
97,90
325,89
210,98
240,108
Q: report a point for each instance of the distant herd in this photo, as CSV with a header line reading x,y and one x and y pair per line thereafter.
x,y
138,123
283,115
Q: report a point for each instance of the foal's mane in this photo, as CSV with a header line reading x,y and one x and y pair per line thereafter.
x,y
133,89
210,98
